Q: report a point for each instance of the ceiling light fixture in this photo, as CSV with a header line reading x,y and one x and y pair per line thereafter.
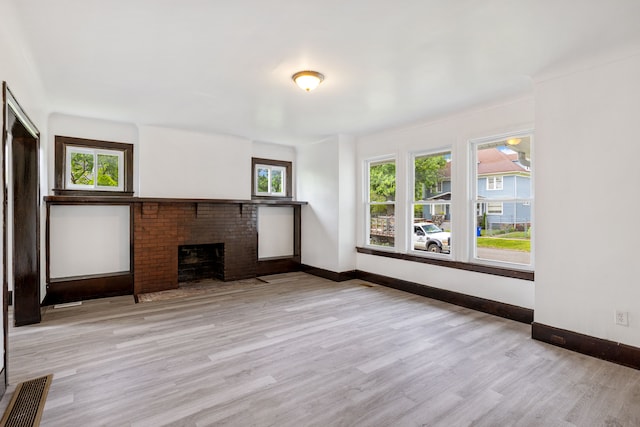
x,y
513,141
308,80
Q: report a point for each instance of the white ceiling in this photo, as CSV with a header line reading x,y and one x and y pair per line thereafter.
x,y
225,66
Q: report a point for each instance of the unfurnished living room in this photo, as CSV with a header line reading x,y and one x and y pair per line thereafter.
x,y
345,213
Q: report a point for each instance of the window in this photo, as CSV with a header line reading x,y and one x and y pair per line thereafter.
x,y
504,205
91,169
494,183
85,166
381,196
431,202
271,179
494,208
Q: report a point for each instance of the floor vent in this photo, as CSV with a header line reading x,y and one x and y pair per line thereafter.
x,y
27,403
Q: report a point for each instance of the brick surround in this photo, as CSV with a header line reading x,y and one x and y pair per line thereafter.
x,y
160,227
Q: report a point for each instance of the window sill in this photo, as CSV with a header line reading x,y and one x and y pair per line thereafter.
x,y
477,268
100,193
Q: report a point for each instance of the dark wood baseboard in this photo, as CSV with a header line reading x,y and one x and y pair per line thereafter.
x,y
611,351
508,311
328,274
266,267
72,289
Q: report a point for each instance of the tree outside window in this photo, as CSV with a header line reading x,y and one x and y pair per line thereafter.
x,y
381,202
94,169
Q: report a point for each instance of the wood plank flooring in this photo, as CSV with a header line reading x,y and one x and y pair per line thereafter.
x,y
299,350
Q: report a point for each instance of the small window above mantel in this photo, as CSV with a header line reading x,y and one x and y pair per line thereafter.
x,y
91,167
270,179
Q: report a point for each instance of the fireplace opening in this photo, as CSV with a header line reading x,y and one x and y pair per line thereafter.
x,y
200,262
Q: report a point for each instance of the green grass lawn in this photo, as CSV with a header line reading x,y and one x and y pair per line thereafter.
x,y
502,243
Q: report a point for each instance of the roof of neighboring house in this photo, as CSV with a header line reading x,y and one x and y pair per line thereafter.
x,y
493,161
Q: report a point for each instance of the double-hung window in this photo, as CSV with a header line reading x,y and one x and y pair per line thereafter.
x,y
431,202
380,204
502,199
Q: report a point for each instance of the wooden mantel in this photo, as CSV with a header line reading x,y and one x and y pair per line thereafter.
x,y
158,226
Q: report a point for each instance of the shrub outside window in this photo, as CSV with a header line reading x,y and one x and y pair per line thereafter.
x,y
381,196
431,202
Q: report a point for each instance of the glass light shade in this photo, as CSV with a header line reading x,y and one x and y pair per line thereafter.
x,y
307,80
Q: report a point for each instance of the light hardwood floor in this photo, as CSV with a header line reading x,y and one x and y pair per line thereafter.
x,y
299,350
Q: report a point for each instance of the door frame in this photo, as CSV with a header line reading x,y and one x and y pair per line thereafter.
x,y
11,112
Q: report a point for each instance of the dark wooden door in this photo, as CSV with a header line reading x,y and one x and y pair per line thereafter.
x,y
26,230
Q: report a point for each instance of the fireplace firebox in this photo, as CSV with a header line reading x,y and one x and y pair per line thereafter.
x,y
200,262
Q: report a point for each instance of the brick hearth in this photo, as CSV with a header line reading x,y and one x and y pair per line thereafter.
x,y
159,228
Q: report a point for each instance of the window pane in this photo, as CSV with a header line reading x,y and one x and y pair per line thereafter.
x,y
432,177
82,168
432,227
107,170
503,170
382,225
382,181
504,236
263,180
276,180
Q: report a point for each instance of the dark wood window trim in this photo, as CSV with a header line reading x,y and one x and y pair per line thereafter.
x,y
61,142
268,162
477,268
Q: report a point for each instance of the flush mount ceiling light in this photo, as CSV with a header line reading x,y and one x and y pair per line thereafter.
x,y
513,141
308,80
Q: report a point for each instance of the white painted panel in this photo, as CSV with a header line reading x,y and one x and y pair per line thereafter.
x,y
88,240
275,231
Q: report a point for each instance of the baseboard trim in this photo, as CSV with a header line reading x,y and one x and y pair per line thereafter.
x,y
80,288
611,351
328,274
266,267
496,308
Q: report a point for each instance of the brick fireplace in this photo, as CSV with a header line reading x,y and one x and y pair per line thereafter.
x,y
161,228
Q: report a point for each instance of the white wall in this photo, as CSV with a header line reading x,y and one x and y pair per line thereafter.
x,y
326,180
318,184
181,164
89,240
89,128
452,132
275,231
587,222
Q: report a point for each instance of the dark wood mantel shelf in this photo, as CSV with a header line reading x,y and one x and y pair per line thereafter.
x,y
119,200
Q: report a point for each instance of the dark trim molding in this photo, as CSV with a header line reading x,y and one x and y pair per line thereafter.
x,y
80,288
501,309
327,274
288,185
478,268
266,267
60,147
611,351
